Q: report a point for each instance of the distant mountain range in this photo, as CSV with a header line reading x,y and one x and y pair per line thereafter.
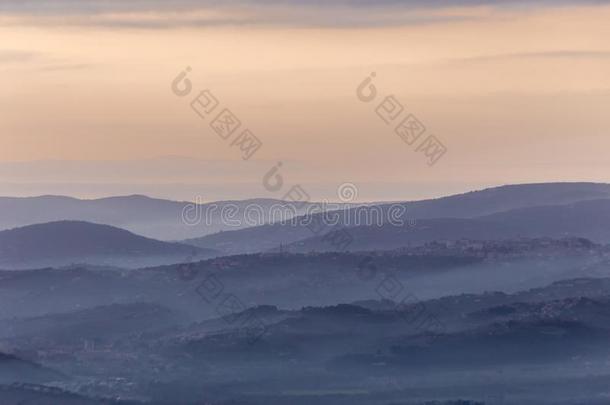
x,y
586,219
66,242
151,217
14,369
555,210
529,210
295,280
504,198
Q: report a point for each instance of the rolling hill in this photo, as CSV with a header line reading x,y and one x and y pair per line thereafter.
x,y
495,213
151,217
65,242
14,369
585,219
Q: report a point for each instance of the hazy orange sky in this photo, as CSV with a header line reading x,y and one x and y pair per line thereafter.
x,y
517,93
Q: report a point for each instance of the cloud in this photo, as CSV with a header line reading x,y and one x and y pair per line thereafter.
x,y
563,54
39,61
150,14
322,20
15,56
64,67
63,7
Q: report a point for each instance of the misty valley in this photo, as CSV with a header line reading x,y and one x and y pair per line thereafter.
x,y
491,297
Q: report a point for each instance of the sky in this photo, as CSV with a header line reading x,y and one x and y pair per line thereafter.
x,y
515,91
